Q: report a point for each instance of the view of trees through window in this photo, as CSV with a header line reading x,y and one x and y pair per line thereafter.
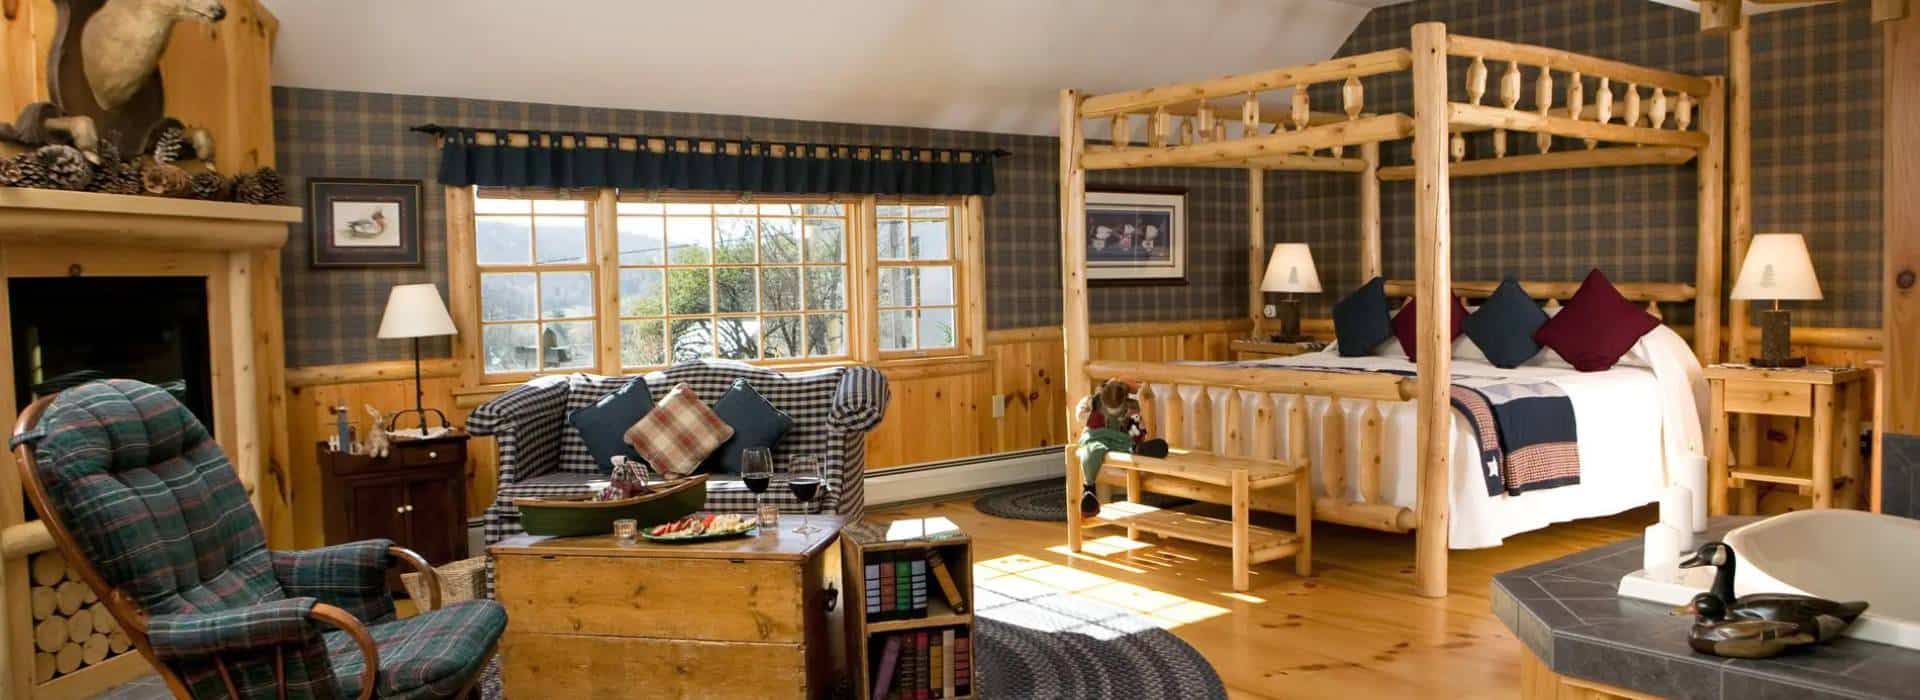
x,y
915,247
699,277
536,287
735,281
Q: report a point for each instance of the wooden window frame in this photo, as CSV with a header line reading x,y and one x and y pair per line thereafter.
x,y
966,240
534,267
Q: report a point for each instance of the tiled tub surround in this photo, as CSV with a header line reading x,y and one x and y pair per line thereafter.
x,y
1569,614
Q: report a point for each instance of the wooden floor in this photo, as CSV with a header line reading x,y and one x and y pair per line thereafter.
x,y
1354,630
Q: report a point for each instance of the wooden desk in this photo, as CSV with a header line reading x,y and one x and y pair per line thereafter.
x,y
1831,397
735,618
1245,349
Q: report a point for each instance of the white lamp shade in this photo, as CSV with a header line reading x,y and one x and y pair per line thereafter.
x,y
415,311
1777,267
1291,270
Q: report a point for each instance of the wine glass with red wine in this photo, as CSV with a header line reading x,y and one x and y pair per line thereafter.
x,y
803,479
756,469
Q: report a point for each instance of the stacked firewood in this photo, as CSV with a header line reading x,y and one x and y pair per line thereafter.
x,y
71,628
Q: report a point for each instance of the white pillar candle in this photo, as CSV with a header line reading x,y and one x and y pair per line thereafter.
x,y
1661,555
1693,475
1676,511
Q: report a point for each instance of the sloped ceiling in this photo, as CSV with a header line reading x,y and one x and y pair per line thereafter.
x,y
983,65
986,65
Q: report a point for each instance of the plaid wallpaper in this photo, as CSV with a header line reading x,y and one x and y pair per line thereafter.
x,y
1816,170
1816,137
332,314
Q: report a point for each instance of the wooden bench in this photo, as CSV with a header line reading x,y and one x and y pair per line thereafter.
x,y
1241,476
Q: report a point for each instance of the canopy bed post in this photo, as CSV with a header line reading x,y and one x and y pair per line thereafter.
x,y
1073,287
1739,83
1370,211
1256,247
1433,298
1712,174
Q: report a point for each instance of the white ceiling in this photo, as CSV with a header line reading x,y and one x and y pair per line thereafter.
x,y
987,65
984,65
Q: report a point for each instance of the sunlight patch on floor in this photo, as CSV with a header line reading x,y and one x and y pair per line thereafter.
x,y
1021,590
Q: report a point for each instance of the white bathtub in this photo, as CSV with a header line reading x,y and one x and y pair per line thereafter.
x,y
1838,555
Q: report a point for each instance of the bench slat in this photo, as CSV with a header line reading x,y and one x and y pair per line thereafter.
x,y
1206,467
1266,544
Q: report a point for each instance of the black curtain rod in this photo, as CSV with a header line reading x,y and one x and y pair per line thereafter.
x,y
438,130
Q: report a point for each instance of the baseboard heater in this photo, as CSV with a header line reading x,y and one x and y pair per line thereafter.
x,y
932,480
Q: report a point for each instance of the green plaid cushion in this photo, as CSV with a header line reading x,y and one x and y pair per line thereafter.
x,y
352,576
189,635
426,656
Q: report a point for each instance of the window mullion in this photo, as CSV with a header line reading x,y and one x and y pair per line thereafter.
x,y
603,248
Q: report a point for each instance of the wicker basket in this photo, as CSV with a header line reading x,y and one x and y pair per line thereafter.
x,y
461,580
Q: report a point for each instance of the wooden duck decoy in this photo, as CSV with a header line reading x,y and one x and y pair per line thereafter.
x,y
1713,633
1822,618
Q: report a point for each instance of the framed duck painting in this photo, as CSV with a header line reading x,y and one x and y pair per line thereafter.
x,y
1136,236
364,223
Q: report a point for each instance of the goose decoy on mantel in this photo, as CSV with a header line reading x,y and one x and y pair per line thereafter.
x,y
1713,633
1822,618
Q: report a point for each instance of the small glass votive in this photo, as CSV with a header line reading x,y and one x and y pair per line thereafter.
x,y
625,530
769,516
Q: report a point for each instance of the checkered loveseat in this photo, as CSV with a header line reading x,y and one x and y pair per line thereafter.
x,y
542,455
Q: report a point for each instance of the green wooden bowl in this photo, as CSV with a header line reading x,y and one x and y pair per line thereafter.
x,y
580,516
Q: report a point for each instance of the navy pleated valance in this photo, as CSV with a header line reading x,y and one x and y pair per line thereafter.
x,y
573,160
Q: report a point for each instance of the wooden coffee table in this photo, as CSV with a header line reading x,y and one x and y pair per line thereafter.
x,y
742,617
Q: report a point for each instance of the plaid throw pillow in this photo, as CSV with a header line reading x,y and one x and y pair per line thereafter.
x,y
678,433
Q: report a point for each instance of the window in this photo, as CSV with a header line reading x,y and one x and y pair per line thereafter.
x,y
917,305
536,284
611,282
736,281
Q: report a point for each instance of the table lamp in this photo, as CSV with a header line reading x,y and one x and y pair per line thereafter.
x,y
1776,267
415,311
1291,271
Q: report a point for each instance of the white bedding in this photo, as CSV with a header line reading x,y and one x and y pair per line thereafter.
x,y
1633,422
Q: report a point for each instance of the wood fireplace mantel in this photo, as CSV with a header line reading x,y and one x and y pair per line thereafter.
x,y
56,218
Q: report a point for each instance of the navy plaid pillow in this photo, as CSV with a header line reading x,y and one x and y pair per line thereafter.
x,y
1503,326
755,422
603,426
1362,321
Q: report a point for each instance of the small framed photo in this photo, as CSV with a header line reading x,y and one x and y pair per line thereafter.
x,y
364,223
1136,236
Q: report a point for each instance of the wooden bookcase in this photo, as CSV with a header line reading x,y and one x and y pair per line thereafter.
x,y
868,540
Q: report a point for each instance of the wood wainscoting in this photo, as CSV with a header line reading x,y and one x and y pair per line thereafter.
x,y
942,409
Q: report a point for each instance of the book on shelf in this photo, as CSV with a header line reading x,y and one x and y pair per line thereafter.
x,y
946,663
934,664
889,659
944,577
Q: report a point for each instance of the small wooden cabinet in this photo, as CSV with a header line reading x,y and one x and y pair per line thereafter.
x,y
415,496
1830,400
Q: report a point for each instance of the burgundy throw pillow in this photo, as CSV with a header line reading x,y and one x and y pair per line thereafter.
x,y
1405,323
1596,327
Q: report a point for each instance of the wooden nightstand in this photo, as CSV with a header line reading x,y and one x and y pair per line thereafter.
x,y
1245,349
1831,397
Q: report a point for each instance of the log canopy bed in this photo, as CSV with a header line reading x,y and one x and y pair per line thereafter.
x,y
1644,116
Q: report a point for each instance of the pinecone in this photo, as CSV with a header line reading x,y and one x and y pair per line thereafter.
x,y
123,177
23,171
108,150
166,147
66,167
165,180
261,186
208,184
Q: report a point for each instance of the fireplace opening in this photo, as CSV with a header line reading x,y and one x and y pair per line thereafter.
x,y
71,330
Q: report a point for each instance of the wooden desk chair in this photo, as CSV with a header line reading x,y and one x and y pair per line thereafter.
x,y
149,513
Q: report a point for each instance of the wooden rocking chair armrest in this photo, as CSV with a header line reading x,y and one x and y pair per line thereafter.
x,y
428,577
370,654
